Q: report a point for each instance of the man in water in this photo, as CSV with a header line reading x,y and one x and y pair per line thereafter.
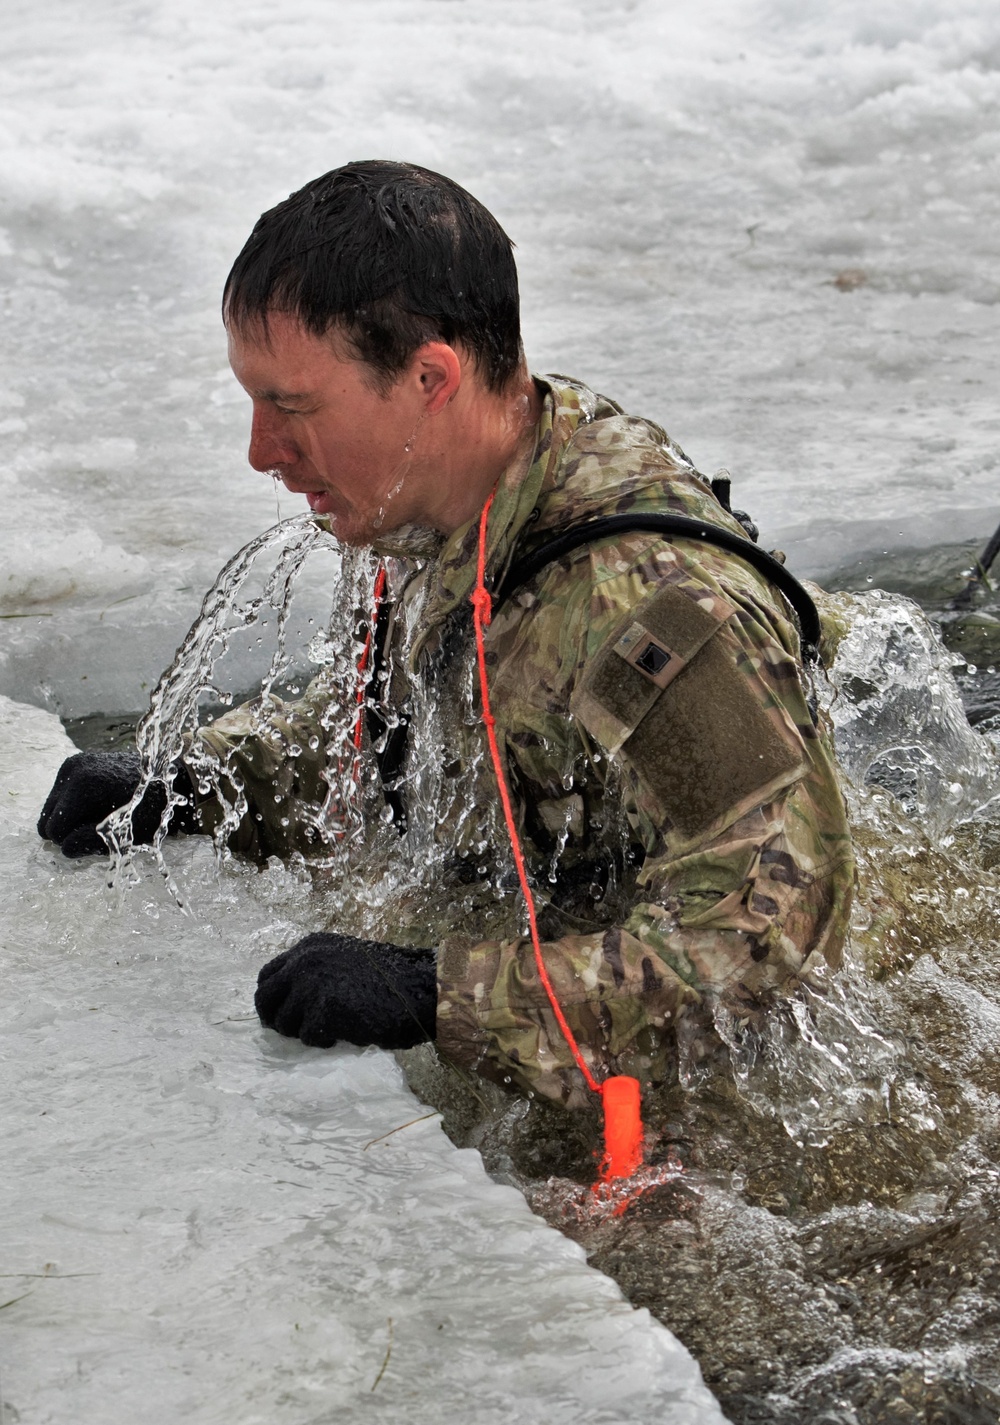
x,y
674,794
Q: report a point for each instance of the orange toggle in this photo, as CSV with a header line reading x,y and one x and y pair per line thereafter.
x,y
622,1127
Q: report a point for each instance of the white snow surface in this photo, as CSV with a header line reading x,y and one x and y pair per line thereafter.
x,y
211,1222
684,181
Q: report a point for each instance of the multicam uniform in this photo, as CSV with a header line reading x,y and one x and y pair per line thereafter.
x,y
649,699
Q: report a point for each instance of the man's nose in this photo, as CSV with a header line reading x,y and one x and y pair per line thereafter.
x,y
270,446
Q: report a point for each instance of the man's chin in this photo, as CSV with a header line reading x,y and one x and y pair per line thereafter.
x,y
404,539
349,536
348,529
345,527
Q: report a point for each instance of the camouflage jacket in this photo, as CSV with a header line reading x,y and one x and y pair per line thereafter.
x,y
678,804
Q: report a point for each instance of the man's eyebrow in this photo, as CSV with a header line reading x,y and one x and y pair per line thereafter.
x,y
283,396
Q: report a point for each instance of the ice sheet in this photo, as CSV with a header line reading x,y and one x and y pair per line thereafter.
x,y
210,1221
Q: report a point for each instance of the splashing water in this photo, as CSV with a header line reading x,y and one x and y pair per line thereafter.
x,y
364,877
231,608
898,716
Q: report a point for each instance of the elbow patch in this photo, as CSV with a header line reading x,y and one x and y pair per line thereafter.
x,y
666,692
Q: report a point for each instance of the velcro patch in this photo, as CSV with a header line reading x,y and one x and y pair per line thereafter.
x,y
626,677
668,694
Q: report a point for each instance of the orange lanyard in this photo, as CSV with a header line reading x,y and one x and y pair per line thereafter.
x,y
619,1094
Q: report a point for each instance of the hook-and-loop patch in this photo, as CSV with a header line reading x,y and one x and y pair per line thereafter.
x,y
667,693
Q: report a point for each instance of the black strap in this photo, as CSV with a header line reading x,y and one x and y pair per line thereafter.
x,y
588,531
393,739
964,597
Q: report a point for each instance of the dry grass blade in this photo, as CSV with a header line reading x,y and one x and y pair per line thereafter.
x,y
45,1276
388,1353
409,1124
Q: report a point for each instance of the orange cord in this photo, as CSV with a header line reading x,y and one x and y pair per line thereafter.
x,y
620,1094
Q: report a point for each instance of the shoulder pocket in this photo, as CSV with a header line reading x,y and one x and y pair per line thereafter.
x,y
665,691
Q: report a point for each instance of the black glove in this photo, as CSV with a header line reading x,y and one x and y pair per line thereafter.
x,y
89,786
330,987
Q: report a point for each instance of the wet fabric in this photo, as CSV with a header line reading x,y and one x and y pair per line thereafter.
x,y
691,812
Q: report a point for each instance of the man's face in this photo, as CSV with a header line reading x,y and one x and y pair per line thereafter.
x,y
321,429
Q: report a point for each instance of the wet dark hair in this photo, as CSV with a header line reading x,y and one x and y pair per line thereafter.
x,y
390,255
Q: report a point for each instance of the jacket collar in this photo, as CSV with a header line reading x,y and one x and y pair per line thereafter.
x,y
448,580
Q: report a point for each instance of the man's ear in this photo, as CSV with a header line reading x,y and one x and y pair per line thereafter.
x,y
438,368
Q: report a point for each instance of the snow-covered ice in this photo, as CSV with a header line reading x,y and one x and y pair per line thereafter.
x,y
216,1225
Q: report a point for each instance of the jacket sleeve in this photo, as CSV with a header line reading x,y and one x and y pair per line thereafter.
x,y
691,700
260,774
